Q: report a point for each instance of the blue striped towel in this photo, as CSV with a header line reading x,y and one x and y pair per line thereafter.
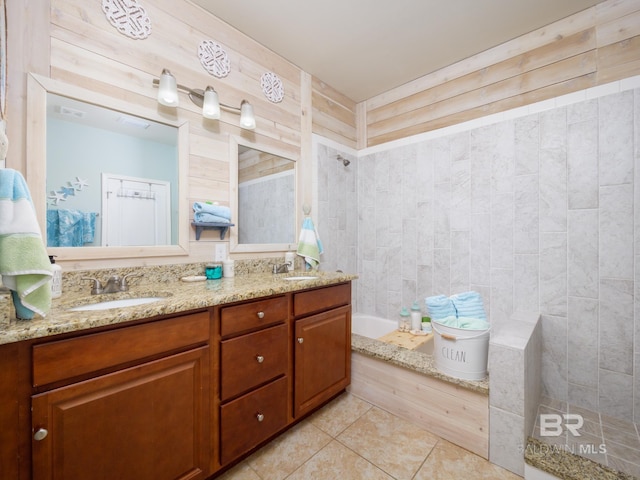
x,y
440,307
24,263
469,304
309,244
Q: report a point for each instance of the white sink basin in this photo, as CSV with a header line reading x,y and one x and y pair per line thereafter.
x,y
304,277
125,302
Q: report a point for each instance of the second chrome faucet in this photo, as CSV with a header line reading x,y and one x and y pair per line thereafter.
x,y
115,284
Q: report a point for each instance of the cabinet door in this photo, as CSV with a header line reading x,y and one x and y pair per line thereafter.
x,y
144,423
322,358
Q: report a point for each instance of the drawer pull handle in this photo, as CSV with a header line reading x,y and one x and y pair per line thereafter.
x,y
261,315
260,417
300,340
40,434
259,358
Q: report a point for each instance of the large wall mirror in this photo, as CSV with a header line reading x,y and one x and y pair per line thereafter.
x,y
263,198
108,179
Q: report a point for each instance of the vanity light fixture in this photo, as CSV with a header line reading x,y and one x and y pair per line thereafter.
x,y
247,120
207,99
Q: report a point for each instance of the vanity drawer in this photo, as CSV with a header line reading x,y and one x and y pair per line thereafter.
x,y
252,315
251,419
253,359
312,301
59,360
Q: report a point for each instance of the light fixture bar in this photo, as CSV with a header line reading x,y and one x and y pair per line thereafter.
x,y
197,96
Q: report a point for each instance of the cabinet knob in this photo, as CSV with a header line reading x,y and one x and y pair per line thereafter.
x,y
40,434
260,417
260,314
300,340
259,358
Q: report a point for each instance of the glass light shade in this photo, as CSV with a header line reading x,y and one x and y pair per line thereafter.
x,y
167,89
247,120
211,105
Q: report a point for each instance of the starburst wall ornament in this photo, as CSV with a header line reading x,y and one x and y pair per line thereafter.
x,y
214,58
272,87
128,17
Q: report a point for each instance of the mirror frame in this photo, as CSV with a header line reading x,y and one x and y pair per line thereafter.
x,y
37,89
236,247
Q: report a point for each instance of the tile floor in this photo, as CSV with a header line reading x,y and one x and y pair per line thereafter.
x,y
351,439
603,439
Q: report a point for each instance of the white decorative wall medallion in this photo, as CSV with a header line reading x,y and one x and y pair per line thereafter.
x,y
214,59
272,87
128,17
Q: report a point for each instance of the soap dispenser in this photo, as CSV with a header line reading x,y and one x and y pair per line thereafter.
x,y
56,278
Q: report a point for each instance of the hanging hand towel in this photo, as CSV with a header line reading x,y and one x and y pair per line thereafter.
x,y
309,244
24,263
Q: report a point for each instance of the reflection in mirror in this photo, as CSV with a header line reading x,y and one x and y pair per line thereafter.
x,y
109,177
91,176
264,183
266,197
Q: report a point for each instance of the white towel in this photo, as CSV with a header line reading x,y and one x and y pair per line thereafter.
x,y
309,244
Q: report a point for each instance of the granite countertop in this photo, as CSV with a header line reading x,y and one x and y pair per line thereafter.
x,y
180,296
566,465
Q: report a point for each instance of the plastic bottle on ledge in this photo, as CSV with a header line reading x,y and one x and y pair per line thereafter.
x,y
404,320
416,317
56,279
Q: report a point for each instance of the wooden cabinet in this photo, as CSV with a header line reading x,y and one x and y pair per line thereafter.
x,y
149,420
254,374
322,346
253,418
172,397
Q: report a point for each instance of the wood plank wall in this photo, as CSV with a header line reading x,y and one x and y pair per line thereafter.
x,y
334,115
72,41
593,47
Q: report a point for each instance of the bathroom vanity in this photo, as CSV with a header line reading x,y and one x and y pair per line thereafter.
x,y
168,390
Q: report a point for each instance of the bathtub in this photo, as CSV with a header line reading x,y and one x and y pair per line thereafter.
x,y
370,326
394,379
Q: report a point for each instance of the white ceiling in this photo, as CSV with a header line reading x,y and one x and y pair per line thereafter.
x,y
365,47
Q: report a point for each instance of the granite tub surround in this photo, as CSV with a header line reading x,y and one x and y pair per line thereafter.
x,y
416,361
178,296
566,465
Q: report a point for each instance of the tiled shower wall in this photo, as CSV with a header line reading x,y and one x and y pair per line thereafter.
x,y
536,212
337,209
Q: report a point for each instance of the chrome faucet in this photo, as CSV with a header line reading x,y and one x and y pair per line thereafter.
x,y
115,284
281,268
